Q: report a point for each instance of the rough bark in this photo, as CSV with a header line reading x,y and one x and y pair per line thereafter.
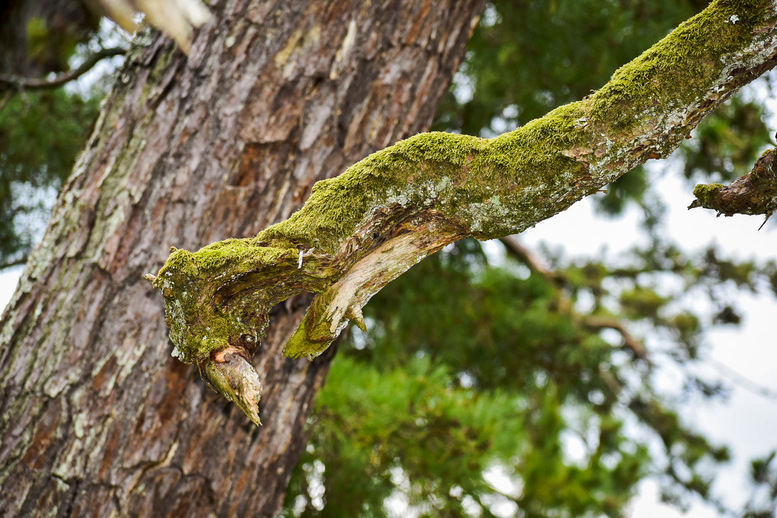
x,y
361,230
95,416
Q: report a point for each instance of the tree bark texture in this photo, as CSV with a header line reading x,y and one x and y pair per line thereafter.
x,y
753,193
96,418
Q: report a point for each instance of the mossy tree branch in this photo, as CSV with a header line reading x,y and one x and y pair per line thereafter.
x,y
361,230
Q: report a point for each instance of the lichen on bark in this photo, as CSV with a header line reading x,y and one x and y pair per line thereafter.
x,y
359,231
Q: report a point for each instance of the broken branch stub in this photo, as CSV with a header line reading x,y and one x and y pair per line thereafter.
x,y
754,193
359,231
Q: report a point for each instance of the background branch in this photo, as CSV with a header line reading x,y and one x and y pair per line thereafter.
x,y
524,255
11,81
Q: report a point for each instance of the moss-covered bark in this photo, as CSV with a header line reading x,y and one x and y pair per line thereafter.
x,y
362,229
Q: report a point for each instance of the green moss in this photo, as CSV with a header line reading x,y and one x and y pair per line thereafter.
x,y
471,181
161,66
408,173
238,256
673,72
313,335
484,187
204,300
706,193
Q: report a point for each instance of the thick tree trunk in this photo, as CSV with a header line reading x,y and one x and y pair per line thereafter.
x,y
95,416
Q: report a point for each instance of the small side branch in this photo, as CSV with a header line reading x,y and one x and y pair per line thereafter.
x,y
11,81
754,193
13,262
522,254
629,341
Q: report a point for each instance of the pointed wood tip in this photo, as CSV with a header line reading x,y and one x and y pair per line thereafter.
x,y
355,314
231,374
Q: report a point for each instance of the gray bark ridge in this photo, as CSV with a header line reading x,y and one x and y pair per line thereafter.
x,y
361,230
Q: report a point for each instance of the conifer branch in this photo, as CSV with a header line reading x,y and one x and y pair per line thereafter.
x,y
525,256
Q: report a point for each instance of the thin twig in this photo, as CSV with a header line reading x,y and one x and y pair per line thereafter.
x,y
526,257
742,380
13,263
4,100
629,341
35,83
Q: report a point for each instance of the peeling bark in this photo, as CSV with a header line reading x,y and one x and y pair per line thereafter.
x,y
361,230
96,418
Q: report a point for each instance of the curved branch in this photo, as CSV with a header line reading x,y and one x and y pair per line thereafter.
x,y
14,262
30,83
742,380
630,342
595,322
359,231
522,254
